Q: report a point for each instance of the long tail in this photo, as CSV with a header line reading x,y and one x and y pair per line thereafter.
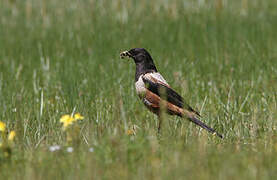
x,y
203,125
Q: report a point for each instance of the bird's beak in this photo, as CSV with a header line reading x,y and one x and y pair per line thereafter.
x,y
125,54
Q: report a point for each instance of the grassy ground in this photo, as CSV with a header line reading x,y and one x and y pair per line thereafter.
x,y
57,56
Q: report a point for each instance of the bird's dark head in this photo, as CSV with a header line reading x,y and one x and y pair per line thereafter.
x,y
142,59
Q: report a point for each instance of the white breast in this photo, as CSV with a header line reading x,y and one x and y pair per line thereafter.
x,y
140,86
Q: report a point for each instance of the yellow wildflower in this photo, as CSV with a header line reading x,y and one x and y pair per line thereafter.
x,y
66,120
2,126
11,135
131,132
78,116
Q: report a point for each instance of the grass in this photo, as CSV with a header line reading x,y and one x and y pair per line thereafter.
x,y
221,56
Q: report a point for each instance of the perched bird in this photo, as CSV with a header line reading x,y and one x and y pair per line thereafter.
x,y
155,92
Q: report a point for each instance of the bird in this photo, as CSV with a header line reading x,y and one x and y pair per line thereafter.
x,y
156,94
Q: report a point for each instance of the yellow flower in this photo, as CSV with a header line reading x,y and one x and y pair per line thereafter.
x,y
131,132
11,135
78,116
66,120
2,126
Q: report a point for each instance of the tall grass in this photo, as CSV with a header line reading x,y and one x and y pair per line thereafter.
x,y
56,56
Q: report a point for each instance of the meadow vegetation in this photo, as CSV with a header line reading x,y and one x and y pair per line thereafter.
x,y
62,57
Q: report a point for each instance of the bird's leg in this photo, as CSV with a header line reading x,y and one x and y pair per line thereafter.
x,y
159,124
162,110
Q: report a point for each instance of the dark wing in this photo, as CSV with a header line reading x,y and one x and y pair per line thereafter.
x,y
164,91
